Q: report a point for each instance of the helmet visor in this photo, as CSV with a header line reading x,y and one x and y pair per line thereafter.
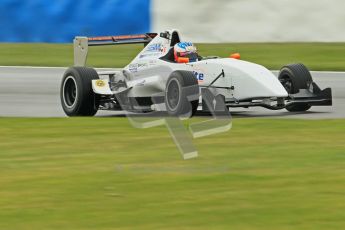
x,y
188,54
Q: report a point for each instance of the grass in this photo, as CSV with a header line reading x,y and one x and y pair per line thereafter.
x,y
100,173
317,56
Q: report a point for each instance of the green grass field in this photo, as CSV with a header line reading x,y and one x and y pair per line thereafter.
x,y
100,173
317,56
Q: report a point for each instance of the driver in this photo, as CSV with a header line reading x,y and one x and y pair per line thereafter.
x,y
185,52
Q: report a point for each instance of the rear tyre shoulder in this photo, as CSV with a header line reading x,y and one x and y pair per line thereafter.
x,y
76,94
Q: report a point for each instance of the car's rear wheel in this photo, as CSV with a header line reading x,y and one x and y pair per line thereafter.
x,y
181,94
76,94
295,77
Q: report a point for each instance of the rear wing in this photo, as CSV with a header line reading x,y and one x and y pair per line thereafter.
x,y
81,44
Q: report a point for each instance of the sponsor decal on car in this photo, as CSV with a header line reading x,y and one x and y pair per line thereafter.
x,y
133,67
142,65
136,66
152,62
156,47
149,55
100,83
199,76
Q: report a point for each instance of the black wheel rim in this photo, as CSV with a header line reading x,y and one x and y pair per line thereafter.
x,y
70,92
173,95
287,84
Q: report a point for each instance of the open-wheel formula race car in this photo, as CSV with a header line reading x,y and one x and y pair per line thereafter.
x,y
160,78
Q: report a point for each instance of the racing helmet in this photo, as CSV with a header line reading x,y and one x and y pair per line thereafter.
x,y
185,52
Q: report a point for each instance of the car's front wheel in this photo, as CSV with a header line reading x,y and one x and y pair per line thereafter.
x,y
182,94
76,94
295,77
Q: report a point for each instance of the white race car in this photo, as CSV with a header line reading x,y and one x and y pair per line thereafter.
x,y
166,79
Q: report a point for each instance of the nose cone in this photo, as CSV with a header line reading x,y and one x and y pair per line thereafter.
x,y
252,80
265,83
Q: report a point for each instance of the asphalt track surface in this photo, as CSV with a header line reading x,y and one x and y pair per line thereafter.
x,y
34,92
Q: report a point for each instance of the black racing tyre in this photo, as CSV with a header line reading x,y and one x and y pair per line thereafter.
x,y
76,94
295,77
182,94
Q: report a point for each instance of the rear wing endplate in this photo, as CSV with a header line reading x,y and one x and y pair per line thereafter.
x,y
81,44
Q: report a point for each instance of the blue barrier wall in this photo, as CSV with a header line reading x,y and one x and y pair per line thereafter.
x,y
62,20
